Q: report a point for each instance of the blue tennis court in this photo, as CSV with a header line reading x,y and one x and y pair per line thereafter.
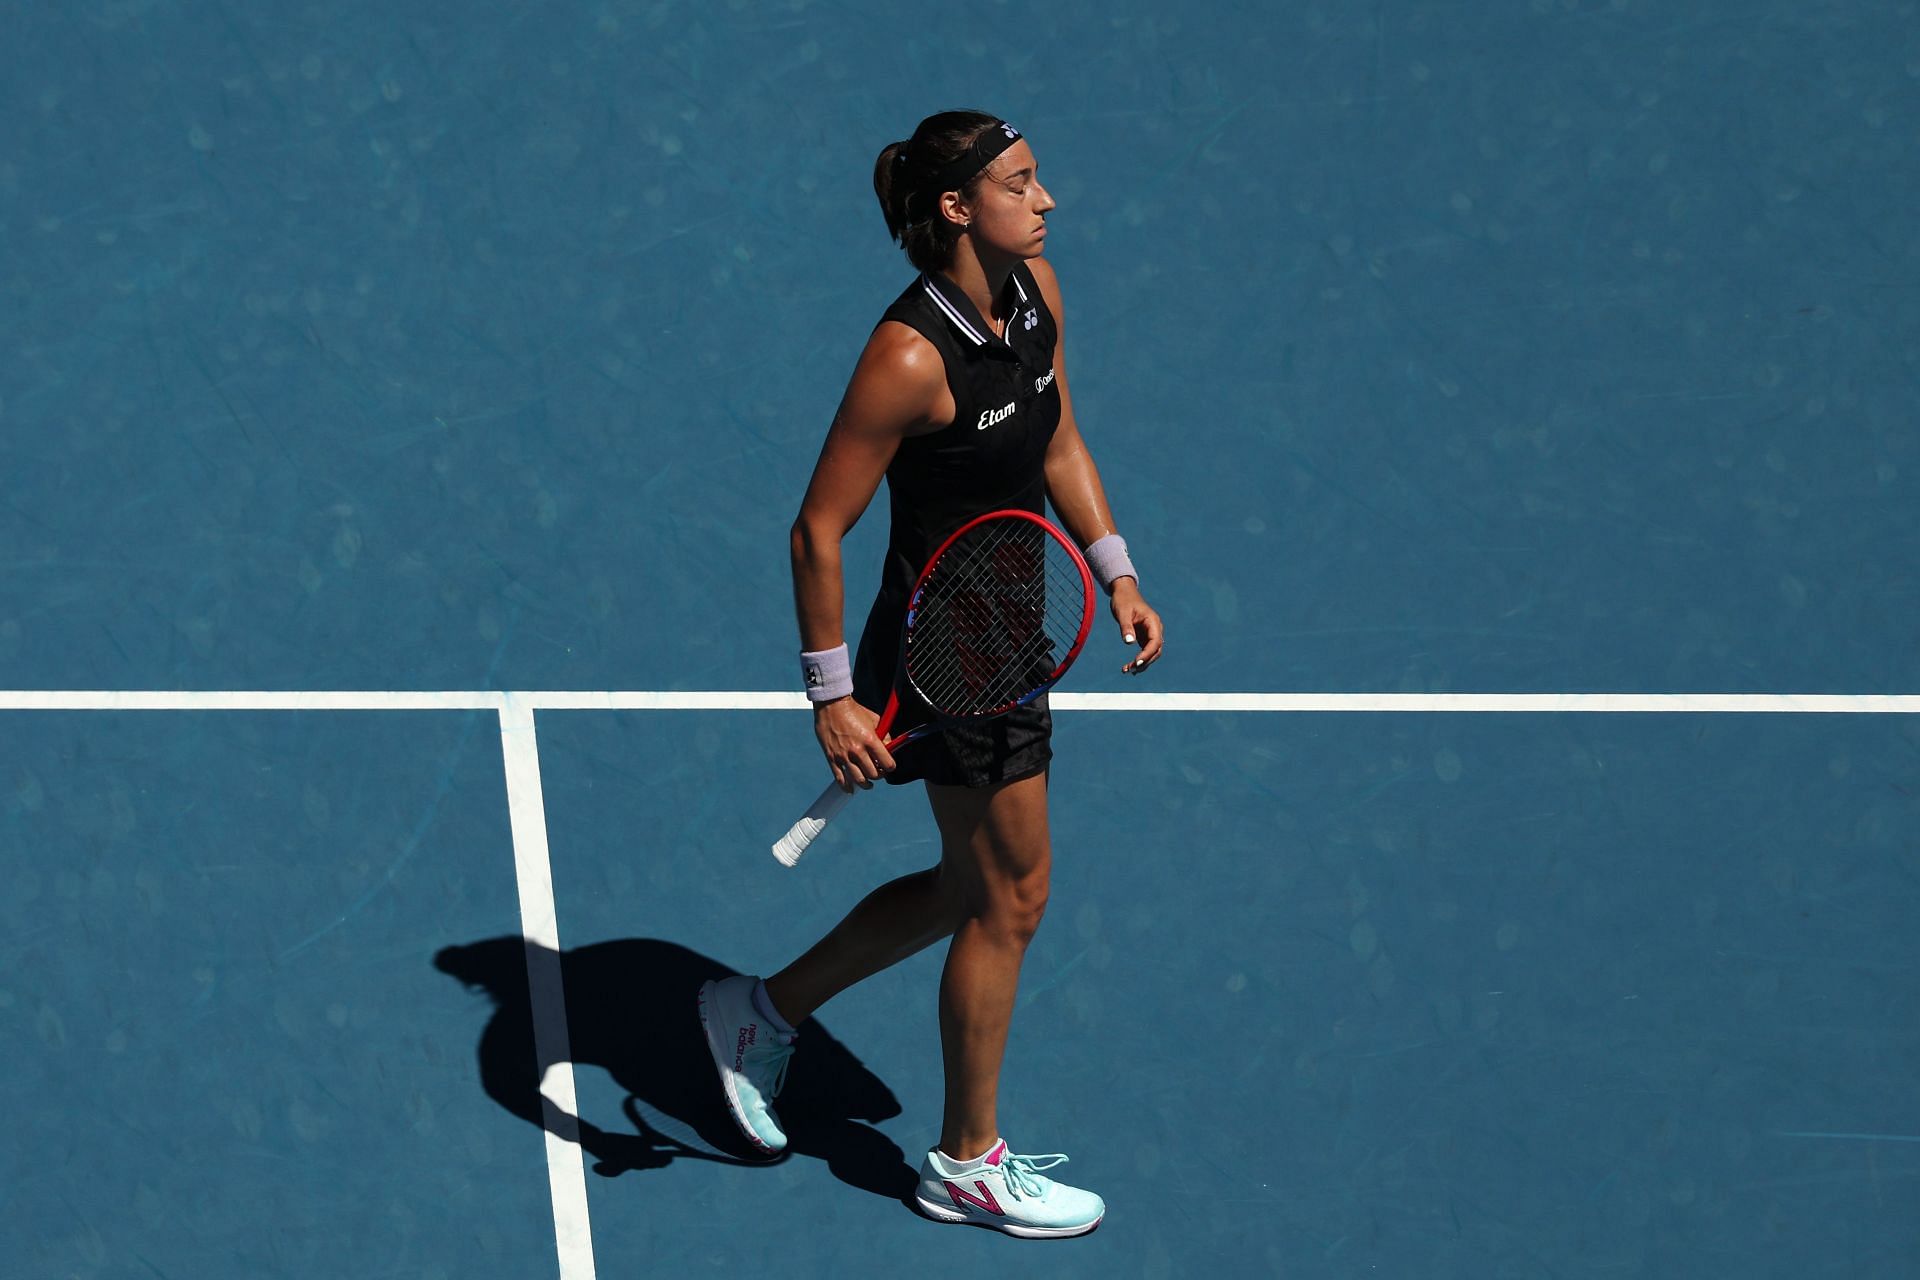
x,y
402,410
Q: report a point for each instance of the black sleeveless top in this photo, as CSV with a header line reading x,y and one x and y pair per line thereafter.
x,y
992,456
1006,408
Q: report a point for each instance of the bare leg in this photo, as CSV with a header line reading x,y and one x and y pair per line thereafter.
x,y
996,848
896,920
989,892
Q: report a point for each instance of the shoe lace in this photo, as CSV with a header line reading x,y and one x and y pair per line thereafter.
x,y
1023,1173
766,1066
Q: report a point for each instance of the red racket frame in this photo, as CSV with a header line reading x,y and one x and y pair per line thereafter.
x,y
789,848
892,710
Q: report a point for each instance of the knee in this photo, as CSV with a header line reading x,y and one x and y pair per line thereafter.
x,y
1009,908
1013,909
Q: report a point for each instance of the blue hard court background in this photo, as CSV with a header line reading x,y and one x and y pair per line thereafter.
x,y
1528,346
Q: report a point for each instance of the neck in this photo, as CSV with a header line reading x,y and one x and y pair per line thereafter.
x,y
982,277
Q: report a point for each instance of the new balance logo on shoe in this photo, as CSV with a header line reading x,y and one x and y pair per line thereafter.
x,y
989,417
984,1200
748,1034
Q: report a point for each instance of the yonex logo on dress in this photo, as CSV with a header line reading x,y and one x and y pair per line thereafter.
x,y
1032,319
990,416
1041,384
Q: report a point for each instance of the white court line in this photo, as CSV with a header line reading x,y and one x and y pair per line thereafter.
x,y
246,700
1502,703
539,924
769,700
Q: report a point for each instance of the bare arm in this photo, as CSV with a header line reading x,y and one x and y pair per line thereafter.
x,y
1074,488
898,389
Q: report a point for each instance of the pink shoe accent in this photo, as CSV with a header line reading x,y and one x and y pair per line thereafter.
x,y
993,1157
984,1200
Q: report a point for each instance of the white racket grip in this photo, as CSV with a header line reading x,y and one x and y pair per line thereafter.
x,y
790,846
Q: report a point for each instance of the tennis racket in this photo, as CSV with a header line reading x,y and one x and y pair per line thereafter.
x,y
1000,612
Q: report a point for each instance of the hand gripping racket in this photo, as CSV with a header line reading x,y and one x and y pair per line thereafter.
x,y
999,614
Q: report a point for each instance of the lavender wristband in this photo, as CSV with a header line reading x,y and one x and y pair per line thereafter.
x,y
828,674
1107,557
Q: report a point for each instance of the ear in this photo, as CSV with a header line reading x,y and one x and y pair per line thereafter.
x,y
954,208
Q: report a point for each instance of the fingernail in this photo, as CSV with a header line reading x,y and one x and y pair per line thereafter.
x,y
1129,637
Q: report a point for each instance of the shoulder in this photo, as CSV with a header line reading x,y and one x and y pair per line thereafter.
x,y
899,384
901,353
1043,275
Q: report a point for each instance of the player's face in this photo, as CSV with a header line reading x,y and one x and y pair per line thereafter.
x,y
1010,206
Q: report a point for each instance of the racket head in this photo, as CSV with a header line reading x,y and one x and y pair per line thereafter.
x,y
1000,612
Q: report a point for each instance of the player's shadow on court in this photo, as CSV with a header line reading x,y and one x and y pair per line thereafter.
x,y
632,1011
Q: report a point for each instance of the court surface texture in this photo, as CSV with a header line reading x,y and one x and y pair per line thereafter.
x,y
1511,870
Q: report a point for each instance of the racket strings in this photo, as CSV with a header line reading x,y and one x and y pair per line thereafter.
x,y
973,684
981,597
994,618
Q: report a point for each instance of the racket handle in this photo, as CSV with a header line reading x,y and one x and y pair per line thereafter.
x,y
790,846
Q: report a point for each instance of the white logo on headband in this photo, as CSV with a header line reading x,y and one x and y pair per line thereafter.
x,y
1009,130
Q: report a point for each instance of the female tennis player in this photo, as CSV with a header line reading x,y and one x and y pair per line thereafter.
x,y
960,402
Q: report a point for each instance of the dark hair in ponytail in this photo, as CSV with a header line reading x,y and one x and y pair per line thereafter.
x,y
913,216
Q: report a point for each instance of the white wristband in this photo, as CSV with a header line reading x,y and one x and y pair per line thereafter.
x,y
827,673
1107,557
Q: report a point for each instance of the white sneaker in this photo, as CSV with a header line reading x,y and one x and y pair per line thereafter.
x,y
1006,1192
751,1056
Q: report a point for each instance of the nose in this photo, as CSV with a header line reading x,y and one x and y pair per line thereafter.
x,y
1046,198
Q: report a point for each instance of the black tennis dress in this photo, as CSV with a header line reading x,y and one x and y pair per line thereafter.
x,y
993,456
